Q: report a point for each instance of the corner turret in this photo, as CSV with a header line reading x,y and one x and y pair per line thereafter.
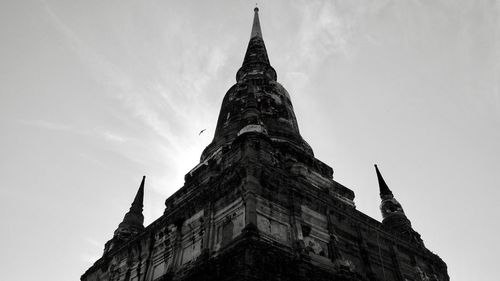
x,y
393,215
133,222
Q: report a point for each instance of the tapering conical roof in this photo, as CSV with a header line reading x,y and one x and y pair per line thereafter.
x,y
138,202
257,103
256,60
134,219
384,189
256,31
393,215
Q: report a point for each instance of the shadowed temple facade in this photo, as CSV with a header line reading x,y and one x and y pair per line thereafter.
x,y
260,206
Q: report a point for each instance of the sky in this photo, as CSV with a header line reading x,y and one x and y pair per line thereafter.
x,y
95,94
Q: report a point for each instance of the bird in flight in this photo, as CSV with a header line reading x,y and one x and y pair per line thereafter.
x,y
201,132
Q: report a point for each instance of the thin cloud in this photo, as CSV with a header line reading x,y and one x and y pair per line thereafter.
x,y
323,32
47,125
54,126
93,159
122,86
113,137
93,246
92,242
88,258
296,80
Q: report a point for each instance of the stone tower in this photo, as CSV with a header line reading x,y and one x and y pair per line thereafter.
x,y
260,206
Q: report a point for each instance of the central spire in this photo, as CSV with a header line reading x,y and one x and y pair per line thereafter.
x,y
256,64
257,103
256,31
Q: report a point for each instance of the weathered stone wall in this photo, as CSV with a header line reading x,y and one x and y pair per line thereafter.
x,y
302,227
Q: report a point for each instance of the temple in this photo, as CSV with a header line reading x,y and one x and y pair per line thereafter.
x,y
261,206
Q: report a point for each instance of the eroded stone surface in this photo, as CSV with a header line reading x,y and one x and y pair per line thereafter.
x,y
260,206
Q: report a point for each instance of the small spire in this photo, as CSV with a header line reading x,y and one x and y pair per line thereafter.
x,y
393,215
384,189
137,205
133,221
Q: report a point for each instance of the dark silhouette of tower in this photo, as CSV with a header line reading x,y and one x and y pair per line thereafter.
x,y
260,206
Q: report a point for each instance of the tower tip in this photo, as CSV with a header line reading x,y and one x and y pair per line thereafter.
x,y
384,189
256,31
139,197
141,187
133,222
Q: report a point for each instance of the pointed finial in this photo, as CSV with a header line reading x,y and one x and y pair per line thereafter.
x,y
133,221
256,60
256,31
139,197
384,189
393,215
